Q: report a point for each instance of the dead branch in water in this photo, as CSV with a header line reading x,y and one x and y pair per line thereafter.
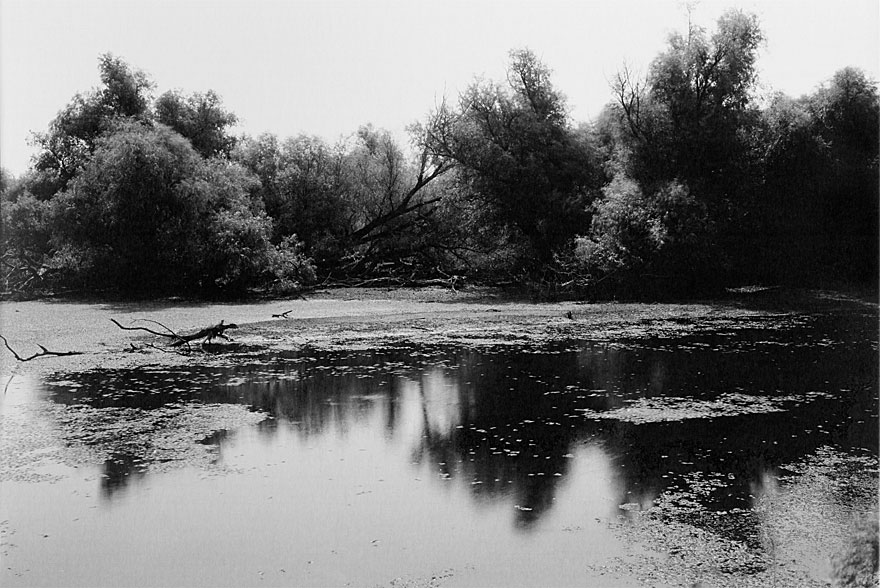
x,y
209,333
43,353
171,334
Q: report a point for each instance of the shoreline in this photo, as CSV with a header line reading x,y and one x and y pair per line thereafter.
x,y
359,318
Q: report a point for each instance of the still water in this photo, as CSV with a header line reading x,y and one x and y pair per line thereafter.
x,y
499,465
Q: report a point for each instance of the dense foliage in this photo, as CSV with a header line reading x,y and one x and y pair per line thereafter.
x,y
687,182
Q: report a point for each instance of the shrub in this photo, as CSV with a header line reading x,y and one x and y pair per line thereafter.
x,y
25,243
289,266
635,239
148,214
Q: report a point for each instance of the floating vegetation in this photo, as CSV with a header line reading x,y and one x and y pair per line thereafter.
x,y
811,513
672,408
31,448
149,440
802,529
158,437
634,323
680,554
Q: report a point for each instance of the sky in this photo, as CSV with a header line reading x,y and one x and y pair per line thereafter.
x,y
327,67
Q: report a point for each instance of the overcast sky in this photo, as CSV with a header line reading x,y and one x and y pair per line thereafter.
x,y
327,67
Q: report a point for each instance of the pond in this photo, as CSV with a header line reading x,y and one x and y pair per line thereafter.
x,y
429,466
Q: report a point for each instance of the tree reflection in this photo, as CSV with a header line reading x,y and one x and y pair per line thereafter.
x,y
118,472
504,423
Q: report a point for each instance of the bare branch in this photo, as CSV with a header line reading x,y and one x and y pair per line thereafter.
x,y
629,89
172,334
42,353
209,333
160,324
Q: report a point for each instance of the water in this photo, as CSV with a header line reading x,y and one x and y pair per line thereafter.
x,y
501,465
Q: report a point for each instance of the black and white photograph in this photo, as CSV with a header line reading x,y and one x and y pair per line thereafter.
x,y
439,294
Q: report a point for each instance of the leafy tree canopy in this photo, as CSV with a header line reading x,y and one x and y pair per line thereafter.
x,y
517,151
73,134
200,118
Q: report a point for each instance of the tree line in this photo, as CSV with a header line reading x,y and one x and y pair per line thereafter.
x,y
686,182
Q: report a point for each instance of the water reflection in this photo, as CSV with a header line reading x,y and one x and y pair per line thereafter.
x,y
509,424
118,472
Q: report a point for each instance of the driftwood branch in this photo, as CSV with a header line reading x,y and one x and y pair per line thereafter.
x,y
158,323
171,334
283,314
208,333
43,353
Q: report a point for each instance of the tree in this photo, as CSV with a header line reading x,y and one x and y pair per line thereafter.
x,y
642,243
130,213
846,121
795,166
6,181
355,205
74,133
691,121
200,118
302,188
126,92
684,120
148,214
846,113
118,199
390,197
819,207
516,150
